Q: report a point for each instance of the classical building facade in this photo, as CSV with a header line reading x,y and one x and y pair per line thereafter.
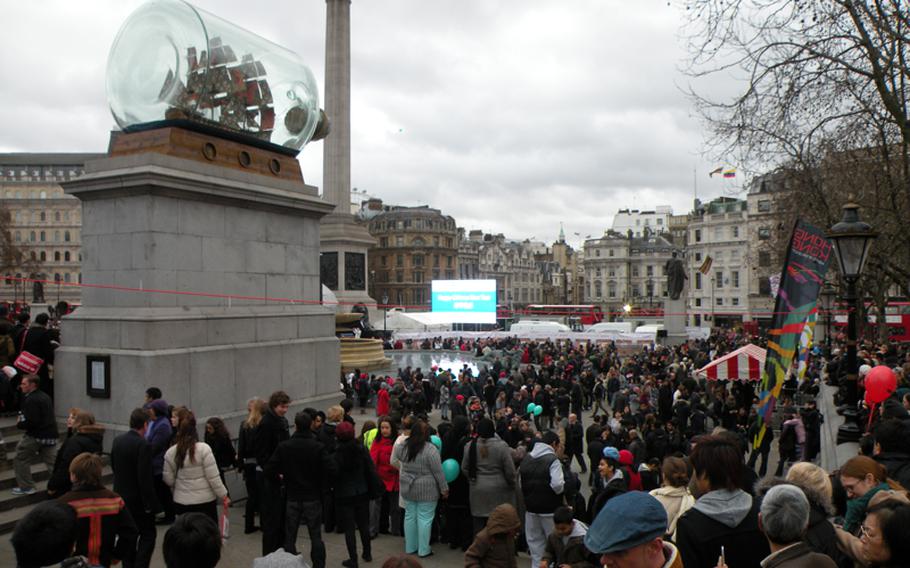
x,y
718,262
44,223
414,246
512,264
622,269
769,229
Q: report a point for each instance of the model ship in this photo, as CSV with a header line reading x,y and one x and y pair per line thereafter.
x,y
226,93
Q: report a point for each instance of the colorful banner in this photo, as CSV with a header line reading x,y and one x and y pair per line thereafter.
x,y
804,271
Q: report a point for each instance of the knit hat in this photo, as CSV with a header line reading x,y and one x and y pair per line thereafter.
x,y
626,457
626,521
344,431
611,453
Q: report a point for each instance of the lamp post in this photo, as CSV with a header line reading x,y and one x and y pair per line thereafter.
x,y
827,297
385,311
851,238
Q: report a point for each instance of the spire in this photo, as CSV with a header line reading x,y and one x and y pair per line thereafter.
x,y
562,233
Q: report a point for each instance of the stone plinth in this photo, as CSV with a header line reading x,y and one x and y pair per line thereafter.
x,y
209,289
675,320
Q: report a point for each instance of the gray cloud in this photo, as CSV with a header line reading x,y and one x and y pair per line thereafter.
x,y
509,116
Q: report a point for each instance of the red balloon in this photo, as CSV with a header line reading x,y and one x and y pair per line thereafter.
x,y
881,382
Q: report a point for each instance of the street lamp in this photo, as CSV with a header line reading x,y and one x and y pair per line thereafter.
x,y
827,297
851,239
385,311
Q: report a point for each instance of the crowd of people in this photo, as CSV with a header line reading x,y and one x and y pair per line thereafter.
x,y
578,453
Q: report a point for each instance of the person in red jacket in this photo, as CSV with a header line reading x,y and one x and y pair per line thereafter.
x,y
382,400
386,518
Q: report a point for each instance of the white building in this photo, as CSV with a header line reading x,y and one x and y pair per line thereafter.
x,y
622,269
656,220
719,294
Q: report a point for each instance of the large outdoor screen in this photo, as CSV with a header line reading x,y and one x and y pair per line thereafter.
x,y
465,301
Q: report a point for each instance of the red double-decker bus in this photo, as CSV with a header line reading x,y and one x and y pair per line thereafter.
x,y
586,314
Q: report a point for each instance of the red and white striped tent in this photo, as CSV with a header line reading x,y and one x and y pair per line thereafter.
x,y
744,364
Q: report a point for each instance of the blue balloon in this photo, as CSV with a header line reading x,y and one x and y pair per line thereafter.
x,y
538,410
450,469
436,442
531,407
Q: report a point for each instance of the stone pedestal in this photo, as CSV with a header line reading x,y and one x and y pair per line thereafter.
x,y
207,287
675,320
343,260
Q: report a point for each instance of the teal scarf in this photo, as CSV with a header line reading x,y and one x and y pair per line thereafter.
x,y
856,508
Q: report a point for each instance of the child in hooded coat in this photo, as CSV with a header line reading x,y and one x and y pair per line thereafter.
x,y
494,546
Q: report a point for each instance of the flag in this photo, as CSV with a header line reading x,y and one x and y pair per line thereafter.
x,y
706,265
719,170
808,257
731,173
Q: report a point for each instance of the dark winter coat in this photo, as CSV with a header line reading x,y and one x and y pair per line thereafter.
x,y
87,439
572,552
36,416
303,464
105,530
700,535
494,546
273,430
897,464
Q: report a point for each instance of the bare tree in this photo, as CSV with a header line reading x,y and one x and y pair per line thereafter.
x,y
825,99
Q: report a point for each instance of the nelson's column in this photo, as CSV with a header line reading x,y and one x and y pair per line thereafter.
x,y
343,242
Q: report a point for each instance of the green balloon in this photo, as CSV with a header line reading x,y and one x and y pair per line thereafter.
x,y
436,442
538,410
531,407
450,469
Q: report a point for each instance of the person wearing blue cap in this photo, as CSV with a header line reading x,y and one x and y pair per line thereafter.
x,y
628,533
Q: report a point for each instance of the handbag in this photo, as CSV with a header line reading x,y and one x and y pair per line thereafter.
x,y
27,362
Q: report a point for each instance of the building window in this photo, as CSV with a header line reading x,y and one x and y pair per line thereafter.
x,y
612,271
597,272
417,242
66,276
417,260
697,235
448,262
697,302
719,301
399,241
764,206
57,256
735,230
596,252
764,258
719,279
764,286
718,234
418,276
734,278
634,271
18,236
698,257
764,233
598,289
43,256
734,255
43,216
418,296
399,276
610,252
611,289
735,301
636,291
399,260
383,260
43,237
66,256
649,270
697,280
384,242
56,216
32,236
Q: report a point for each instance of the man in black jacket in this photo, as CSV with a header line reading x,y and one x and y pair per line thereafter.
x,y
131,460
302,463
273,429
575,442
40,440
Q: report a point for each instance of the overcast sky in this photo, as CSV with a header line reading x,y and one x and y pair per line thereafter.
x,y
510,116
